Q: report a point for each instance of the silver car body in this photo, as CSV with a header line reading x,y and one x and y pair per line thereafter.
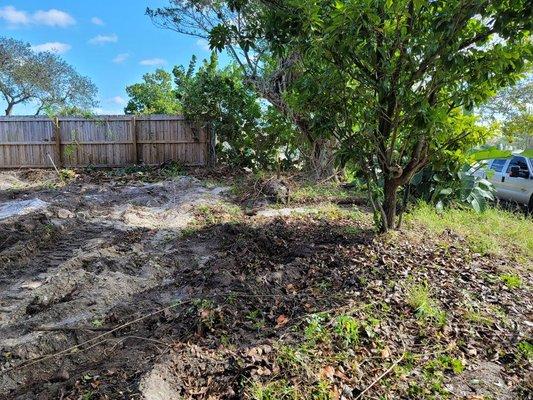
x,y
511,188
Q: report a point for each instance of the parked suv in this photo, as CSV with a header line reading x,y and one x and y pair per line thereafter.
x,y
512,178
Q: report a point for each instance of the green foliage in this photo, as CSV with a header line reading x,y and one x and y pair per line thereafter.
x,y
41,77
448,178
512,281
525,350
347,328
445,362
155,95
419,298
249,133
67,175
394,82
277,390
510,110
316,331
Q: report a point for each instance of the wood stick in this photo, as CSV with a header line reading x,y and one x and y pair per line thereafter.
x,y
381,376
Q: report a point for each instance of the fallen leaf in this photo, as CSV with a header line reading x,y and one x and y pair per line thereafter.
x,y
281,321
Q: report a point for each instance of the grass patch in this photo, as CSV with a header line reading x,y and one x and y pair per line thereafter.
x,y
278,390
419,298
312,193
493,231
525,351
512,281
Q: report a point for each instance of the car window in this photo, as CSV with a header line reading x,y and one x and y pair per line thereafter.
x,y
497,165
518,162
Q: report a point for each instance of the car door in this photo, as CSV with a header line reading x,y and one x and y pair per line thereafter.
x,y
496,174
515,188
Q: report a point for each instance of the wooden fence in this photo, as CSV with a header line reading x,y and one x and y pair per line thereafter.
x,y
102,141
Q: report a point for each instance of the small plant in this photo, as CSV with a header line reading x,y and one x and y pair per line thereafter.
x,y
97,323
291,357
316,331
67,175
277,390
419,298
347,329
525,351
478,317
322,390
172,169
256,318
444,363
512,281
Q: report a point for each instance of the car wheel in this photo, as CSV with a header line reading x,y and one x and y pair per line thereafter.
x,y
530,206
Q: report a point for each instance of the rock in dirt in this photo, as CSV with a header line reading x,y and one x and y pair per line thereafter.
x,y
21,207
277,190
64,214
485,380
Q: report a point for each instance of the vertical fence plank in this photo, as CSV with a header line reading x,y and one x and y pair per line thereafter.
x,y
134,137
57,136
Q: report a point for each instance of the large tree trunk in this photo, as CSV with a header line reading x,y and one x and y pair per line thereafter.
x,y
322,159
321,155
390,192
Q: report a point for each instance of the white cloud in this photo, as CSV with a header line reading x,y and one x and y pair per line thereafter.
x,y
53,17
97,21
102,39
53,47
153,61
13,16
118,100
120,58
203,44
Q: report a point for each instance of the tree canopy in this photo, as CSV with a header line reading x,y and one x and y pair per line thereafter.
x,y
512,111
155,95
41,77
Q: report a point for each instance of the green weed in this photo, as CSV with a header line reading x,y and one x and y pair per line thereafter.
x,y
419,298
277,390
347,329
316,331
512,281
525,350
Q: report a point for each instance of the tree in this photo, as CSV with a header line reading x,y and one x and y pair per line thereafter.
x,y
512,110
239,27
249,134
69,90
402,72
155,95
41,77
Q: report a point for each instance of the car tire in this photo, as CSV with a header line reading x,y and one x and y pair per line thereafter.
x,y
530,206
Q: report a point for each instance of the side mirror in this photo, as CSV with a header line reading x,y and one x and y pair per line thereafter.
x,y
515,172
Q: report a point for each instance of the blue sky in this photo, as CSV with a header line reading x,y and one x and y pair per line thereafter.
x,y
113,42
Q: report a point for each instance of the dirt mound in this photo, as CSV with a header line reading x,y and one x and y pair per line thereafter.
x,y
96,248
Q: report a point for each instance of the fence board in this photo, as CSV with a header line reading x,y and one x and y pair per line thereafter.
x,y
103,141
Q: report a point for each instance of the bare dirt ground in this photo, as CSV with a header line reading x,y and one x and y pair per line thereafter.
x,y
147,287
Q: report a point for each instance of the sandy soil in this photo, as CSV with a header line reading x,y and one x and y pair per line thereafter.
x,y
88,248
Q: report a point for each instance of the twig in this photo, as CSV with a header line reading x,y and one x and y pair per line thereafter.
x,y
54,164
381,376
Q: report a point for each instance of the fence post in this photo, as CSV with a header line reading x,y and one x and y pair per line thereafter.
x,y
134,133
212,156
57,134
